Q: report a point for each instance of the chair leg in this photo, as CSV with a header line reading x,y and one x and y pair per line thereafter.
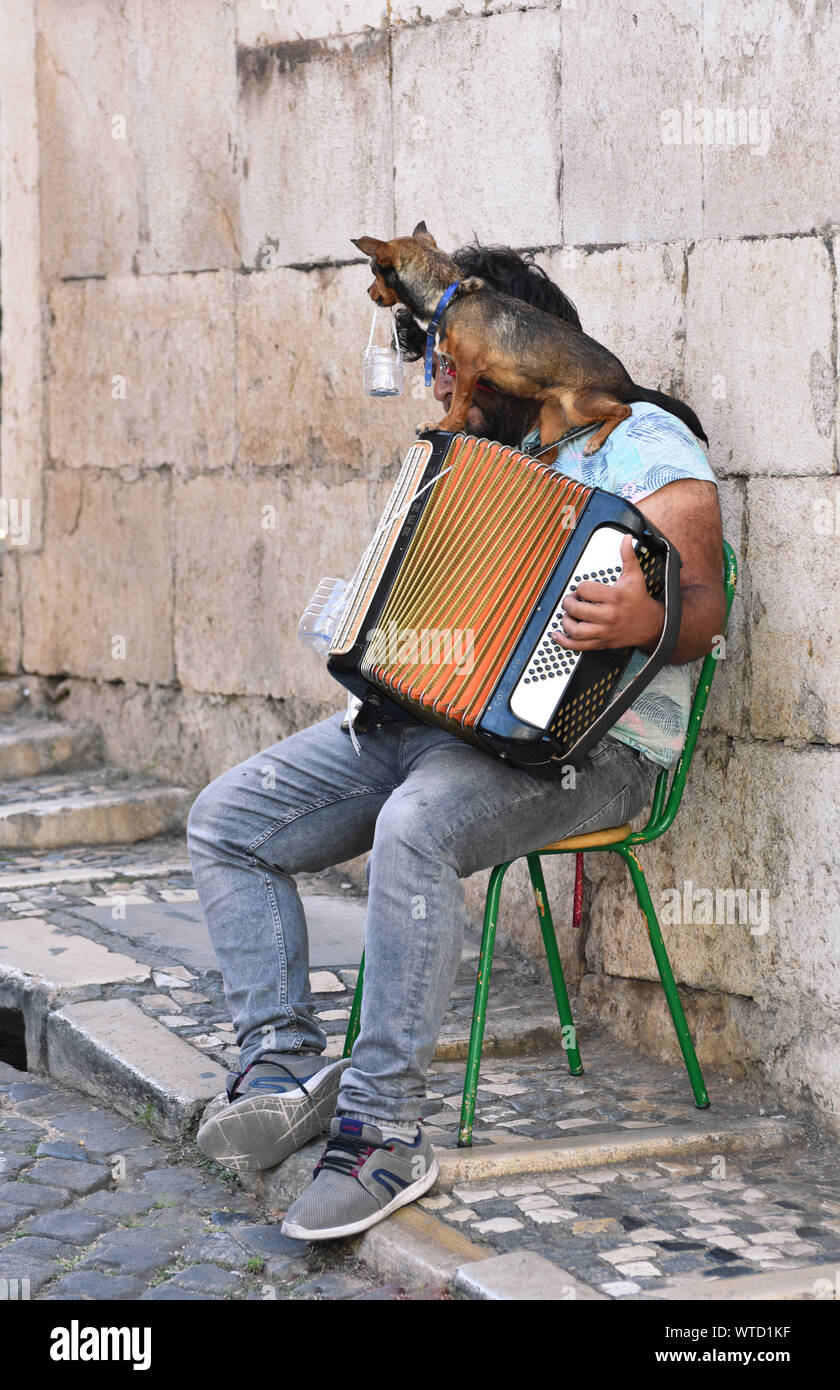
x,y
354,1020
482,989
666,974
555,966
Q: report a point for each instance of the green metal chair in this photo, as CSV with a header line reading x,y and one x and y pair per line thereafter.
x,y
617,840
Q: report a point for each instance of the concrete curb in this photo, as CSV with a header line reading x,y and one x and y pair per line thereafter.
x,y
809,1282
584,1151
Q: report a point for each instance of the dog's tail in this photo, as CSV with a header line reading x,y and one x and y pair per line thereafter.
x,y
670,403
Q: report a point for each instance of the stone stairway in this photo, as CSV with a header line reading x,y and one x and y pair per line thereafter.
x,y
56,789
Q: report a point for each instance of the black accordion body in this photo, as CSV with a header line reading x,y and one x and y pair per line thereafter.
x,y
450,611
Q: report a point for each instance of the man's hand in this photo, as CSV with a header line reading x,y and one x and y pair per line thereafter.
x,y
624,615
612,615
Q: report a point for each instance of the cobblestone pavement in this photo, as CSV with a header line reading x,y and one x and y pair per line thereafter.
x,y
535,1097
635,1230
189,1000
93,1207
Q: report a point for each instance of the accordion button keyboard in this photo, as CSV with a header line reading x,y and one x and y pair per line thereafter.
x,y
541,686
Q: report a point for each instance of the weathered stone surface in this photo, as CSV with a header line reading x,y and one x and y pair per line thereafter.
x,y
166,343
88,177
107,551
740,338
794,550
135,813
285,21
207,1279
247,639
30,746
77,1178
10,627
22,340
766,949
621,182
32,1196
339,85
631,299
521,1275
111,1049
755,63
89,1286
30,947
302,406
187,173
73,1227
130,1252
506,72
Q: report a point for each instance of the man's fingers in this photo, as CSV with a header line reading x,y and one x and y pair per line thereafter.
x,y
592,591
584,609
629,559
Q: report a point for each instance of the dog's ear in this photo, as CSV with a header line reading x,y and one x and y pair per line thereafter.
x,y
379,251
422,234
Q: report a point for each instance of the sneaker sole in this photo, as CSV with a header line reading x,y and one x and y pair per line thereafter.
x,y
409,1194
262,1131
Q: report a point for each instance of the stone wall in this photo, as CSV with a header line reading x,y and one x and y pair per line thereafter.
x,y
186,448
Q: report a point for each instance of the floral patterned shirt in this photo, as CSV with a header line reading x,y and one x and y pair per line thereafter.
x,y
644,453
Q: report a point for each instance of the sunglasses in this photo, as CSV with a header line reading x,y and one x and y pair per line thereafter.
x,y
448,370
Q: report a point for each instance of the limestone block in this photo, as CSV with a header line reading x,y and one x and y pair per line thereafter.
x,y
89,189
10,633
22,338
763,819
300,340
794,563
143,371
624,69
238,602
503,77
284,21
630,298
30,947
185,118
105,574
759,353
303,198
728,707
773,73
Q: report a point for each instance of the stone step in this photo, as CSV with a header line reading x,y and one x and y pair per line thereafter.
x,y
30,746
13,692
91,808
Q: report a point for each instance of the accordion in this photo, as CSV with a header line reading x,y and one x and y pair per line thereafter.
x,y
450,612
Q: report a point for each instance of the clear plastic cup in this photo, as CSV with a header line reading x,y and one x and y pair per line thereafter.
x,y
323,614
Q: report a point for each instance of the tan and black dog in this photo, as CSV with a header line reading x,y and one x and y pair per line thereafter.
x,y
507,343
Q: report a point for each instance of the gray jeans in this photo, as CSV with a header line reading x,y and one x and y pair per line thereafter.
x,y
432,810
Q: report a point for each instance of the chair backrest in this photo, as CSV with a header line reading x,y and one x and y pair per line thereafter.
x,y
663,812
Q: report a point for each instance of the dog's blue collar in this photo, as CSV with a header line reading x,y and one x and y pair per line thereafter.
x,y
432,328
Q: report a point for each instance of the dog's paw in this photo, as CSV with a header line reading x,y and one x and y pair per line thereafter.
x,y
590,447
424,429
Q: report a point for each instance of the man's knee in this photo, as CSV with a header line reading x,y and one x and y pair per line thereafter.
x,y
210,814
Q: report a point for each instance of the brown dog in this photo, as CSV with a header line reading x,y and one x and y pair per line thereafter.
x,y
518,349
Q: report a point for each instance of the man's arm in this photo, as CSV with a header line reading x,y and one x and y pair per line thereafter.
x,y
624,615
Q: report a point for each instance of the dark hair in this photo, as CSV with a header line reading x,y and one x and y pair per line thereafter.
x,y
504,270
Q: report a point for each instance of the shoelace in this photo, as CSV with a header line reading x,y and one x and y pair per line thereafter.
x,y
265,1062
346,1154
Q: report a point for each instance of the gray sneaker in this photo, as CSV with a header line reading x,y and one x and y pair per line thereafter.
x,y
359,1181
272,1108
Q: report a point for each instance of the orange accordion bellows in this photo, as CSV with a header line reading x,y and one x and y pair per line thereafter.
x,y
450,612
